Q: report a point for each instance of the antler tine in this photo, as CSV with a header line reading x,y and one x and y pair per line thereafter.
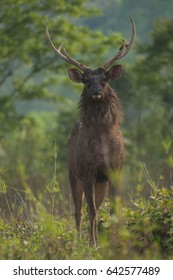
x,y
65,56
74,62
124,49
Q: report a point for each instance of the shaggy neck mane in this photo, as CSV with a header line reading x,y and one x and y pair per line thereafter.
x,y
105,112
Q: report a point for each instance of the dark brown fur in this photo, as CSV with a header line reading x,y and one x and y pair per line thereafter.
x,y
95,147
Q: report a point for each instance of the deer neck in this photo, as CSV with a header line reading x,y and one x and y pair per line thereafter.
x,y
104,113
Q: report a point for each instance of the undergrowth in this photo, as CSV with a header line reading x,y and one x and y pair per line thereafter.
x,y
142,230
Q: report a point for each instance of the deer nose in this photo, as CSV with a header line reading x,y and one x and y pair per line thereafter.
x,y
96,90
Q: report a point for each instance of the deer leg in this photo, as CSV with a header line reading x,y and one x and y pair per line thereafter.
x,y
114,191
77,193
112,195
90,198
100,193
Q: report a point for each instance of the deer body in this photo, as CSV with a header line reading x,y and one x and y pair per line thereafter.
x,y
95,145
95,142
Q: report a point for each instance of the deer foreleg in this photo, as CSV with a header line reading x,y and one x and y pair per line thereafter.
x,y
77,193
90,198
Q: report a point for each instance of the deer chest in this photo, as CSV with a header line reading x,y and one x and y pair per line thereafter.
x,y
101,149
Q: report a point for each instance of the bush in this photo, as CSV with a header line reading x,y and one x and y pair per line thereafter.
x,y
152,223
142,231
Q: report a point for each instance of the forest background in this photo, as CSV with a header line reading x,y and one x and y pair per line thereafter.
x,y
38,106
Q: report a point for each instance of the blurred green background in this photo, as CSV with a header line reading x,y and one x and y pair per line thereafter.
x,y
38,103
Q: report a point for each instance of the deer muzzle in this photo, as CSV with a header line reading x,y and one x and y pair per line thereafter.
x,y
98,96
96,92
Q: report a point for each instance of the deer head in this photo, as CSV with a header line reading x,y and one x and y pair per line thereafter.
x,y
94,80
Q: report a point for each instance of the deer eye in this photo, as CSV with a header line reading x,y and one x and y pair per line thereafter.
x,y
104,80
85,80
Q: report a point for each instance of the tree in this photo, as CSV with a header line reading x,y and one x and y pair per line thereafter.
x,y
115,14
151,121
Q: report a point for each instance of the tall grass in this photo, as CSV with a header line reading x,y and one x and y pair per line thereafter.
x,y
141,230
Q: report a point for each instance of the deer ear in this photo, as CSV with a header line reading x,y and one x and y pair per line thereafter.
x,y
115,72
75,75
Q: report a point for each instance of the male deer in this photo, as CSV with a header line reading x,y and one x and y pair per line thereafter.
x,y
95,144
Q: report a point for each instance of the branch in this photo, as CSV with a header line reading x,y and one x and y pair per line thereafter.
x,y
7,74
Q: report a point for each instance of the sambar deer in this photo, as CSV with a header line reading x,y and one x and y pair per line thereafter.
x,y
96,145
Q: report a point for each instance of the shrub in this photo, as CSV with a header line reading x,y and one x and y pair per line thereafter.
x,y
142,231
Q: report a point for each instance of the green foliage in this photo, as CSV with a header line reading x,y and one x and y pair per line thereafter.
x,y
116,14
142,230
66,118
45,240
151,223
26,144
149,113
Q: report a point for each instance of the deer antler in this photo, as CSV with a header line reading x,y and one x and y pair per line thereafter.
x,y
64,56
124,49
